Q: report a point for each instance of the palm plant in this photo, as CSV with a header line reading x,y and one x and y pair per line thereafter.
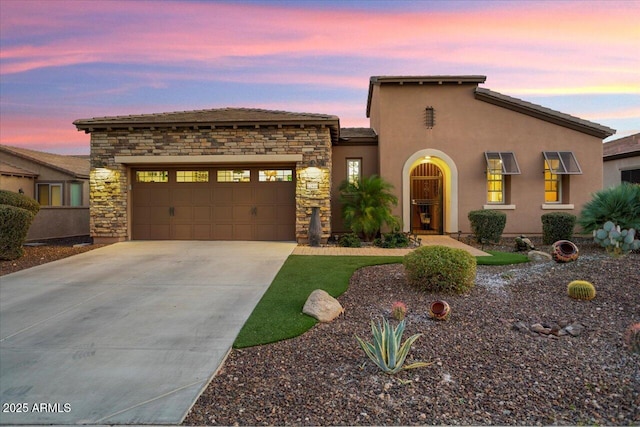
x,y
620,204
386,351
367,204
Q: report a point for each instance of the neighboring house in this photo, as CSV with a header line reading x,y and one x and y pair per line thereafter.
x,y
621,159
59,183
446,145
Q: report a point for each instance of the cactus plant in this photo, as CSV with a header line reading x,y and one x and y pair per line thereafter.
x,y
582,290
398,310
632,338
616,241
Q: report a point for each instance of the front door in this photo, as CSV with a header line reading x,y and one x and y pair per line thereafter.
x,y
426,199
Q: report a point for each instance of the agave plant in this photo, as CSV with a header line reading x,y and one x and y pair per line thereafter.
x,y
386,350
620,205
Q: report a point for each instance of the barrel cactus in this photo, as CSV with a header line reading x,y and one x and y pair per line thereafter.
x,y
582,290
632,338
616,241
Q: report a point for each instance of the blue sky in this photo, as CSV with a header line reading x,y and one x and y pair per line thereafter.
x,y
65,60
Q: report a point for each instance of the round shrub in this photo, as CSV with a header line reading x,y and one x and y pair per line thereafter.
x,y
440,269
557,226
350,240
487,225
14,225
18,200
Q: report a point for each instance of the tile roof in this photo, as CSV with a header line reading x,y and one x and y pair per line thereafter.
x,y
7,169
212,117
543,113
218,116
629,146
75,166
355,136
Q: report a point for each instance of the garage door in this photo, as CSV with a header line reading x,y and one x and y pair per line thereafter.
x,y
225,203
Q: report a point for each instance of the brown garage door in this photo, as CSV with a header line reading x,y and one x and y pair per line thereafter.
x,y
200,203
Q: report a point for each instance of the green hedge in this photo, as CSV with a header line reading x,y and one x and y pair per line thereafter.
x,y
440,268
18,200
487,225
557,226
14,225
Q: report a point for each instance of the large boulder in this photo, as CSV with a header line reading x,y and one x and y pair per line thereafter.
x,y
322,306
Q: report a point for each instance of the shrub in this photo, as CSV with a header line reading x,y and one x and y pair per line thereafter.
x,y
557,226
394,239
350,240
440,268
367,204
487,225
619,204
18,200
14,225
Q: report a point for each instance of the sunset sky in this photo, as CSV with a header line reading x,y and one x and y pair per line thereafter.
x,y
65,60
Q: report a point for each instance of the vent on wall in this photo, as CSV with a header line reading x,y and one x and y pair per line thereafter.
x,y
430,117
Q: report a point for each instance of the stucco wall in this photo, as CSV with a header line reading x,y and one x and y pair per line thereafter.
x,y
612,168
15,183
110,194
464,129
59,221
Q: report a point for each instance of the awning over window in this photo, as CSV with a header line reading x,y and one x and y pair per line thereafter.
x,y
562,162
502,162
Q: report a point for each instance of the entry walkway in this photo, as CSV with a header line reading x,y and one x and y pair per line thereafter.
x,y
376,251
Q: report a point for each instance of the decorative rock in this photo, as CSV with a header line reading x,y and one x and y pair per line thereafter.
x,y
520,327
524,244
539,256
537,327
322,306
574,329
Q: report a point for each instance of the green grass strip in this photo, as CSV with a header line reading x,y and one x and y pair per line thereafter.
x,y
278,315
501,258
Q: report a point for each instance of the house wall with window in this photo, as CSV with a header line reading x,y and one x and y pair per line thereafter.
x,y
59,183
621,159
466,124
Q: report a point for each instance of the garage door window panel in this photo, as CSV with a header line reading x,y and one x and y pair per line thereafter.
x,y
152,176
192,176
238,175
275,175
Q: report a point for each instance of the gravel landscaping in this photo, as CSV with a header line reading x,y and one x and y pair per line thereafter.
x,y
489,367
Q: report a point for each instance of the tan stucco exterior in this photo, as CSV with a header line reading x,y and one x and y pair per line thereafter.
x,y
465,128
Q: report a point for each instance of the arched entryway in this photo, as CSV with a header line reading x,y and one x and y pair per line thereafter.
x,y
448,170
427,197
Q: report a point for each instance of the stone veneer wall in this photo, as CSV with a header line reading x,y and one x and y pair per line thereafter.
x,y
109,185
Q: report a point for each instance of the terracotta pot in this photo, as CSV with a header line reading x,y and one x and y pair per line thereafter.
x,y
564,251
439,310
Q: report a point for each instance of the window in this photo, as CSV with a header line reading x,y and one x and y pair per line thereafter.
x,y
75,194
49,194
354,170
152,176
552,182
240,175
562,162
556,165
632,176
275,175
499,166
192,176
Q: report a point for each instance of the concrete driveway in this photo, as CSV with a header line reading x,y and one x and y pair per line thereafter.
x,y
130,333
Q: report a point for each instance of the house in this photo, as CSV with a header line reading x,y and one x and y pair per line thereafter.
x,y
621,159
59,183
447,145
